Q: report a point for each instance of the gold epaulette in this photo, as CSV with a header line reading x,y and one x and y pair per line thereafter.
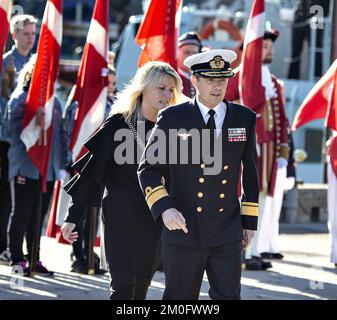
x,y
250,209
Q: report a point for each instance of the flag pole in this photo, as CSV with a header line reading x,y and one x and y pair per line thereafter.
x,y
92,239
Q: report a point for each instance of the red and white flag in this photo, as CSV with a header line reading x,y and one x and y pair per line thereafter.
x,y
252,92
316,104
37,122
92,80
331,118
5,15
158,32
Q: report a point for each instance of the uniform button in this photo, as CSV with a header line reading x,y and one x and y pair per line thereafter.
x,y
224,181
199,209
200,194
222,195
225,167
221,209
201,180
203,166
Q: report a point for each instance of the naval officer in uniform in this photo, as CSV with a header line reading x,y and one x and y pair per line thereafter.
x,y
206,225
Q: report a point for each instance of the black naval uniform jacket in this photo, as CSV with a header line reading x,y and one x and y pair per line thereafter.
x,y
214,214
130,236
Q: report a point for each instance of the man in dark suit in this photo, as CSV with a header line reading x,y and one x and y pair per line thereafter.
x,y
209,145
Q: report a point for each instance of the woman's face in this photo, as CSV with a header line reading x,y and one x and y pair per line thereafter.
x,y
158,97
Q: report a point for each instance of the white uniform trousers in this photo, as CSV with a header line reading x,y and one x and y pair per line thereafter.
x,y
252,249
268,239
332,209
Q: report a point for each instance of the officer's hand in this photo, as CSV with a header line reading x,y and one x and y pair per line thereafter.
x,y
247,238
67,233
174,220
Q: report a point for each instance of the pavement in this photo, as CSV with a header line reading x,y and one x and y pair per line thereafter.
x,y
305,273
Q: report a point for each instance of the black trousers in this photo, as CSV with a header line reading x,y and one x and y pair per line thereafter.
x,y
5,195
184,269
26,197
125,286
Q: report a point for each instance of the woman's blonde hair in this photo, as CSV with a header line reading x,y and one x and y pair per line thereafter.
x,y
129,100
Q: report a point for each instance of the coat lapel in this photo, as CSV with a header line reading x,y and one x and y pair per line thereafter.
x,y
195,114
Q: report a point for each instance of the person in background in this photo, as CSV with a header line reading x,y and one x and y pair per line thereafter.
x,y
23,31
273,149
26,177
188,44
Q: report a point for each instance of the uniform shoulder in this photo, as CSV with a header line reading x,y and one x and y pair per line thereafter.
x,y
175,109
245,111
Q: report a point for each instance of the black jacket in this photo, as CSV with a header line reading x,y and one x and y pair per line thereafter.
x,y
209,203
130,237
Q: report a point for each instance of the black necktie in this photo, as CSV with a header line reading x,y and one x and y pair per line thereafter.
x,y
211,127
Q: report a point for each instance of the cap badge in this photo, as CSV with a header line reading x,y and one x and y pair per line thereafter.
x,y
217,63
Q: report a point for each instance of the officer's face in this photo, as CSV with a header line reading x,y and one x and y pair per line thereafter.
x,y
25,38
267,51
158,97
184,52
211,91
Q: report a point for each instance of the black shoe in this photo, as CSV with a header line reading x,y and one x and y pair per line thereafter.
x,y
42,270
80,266
266,255
269,255
253,265
264,264
277,256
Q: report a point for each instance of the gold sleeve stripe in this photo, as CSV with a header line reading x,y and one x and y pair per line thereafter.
x,y
250,211
152,198
149,190
250,204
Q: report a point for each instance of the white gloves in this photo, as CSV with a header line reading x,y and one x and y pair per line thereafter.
x,y
282,163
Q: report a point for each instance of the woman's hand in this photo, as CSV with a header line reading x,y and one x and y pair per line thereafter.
x,y
67,233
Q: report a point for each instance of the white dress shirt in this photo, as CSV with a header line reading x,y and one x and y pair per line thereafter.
x,y
219,116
